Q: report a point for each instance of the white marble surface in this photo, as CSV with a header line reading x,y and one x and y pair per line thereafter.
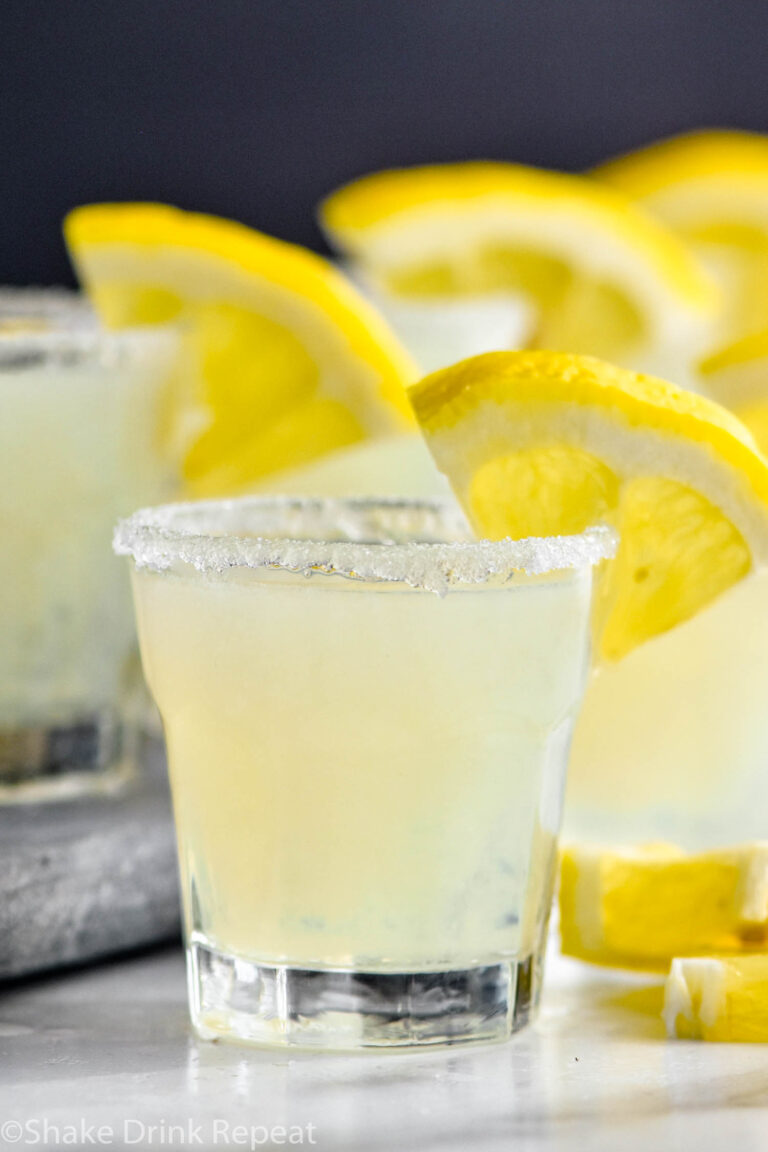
x,y
110,1046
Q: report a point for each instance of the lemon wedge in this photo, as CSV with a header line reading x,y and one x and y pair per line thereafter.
x,y
605,277
545,444
638,907
718,998
712,188
293,361
736,376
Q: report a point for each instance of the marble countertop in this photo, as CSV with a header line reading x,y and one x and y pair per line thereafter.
x,y
110,1047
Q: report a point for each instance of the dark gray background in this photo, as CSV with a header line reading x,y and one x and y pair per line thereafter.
x,y
254,108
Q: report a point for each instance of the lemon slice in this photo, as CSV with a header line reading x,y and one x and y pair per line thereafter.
x,y
545,444
712,188
737,377
718,998
606,278
294,363
639,907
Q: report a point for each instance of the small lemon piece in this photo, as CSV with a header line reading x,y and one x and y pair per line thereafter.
x,y
605,278
638,907
545,444
721,998
711,187
293,362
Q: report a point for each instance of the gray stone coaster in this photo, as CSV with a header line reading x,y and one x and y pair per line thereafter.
x,y
87,878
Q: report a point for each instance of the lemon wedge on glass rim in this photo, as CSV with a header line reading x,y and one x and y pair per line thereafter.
x,y
292,362
605,277
711,187
541,443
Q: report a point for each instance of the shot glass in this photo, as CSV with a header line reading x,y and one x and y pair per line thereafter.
x,y
672,741
83,417
35,309
367,719
438,331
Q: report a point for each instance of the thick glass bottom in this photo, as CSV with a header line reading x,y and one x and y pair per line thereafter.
x,y
242,1000
62,758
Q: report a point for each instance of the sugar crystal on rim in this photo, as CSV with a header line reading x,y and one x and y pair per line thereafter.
x,y
423,544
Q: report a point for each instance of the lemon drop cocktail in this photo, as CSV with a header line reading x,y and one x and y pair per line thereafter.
x,y
367,718
672,740
82,440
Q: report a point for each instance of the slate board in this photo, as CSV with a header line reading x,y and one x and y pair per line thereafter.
x,y
86,878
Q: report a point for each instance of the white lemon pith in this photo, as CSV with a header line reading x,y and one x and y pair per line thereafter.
x,y
712,188
718,998
293,362
639,907
605,277
542,443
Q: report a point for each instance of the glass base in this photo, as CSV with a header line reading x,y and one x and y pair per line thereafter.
x,y
242,1000
67,758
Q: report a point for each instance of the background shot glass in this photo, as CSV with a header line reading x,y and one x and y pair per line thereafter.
x,y
36,309
367,720
439,330
672,741
83,415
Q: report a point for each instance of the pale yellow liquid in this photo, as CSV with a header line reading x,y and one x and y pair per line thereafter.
x,y
80,445
672,742
365,775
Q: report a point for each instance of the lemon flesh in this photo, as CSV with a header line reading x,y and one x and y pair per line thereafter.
x,y
640,907
718,998
711,187
542,443
606,278
287,361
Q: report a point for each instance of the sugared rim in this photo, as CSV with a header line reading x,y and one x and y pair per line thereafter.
x,y
66,339
421,543
36,301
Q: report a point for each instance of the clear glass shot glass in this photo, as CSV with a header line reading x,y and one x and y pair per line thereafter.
x,y
83,439
438,332
367,719
35,309
672,741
